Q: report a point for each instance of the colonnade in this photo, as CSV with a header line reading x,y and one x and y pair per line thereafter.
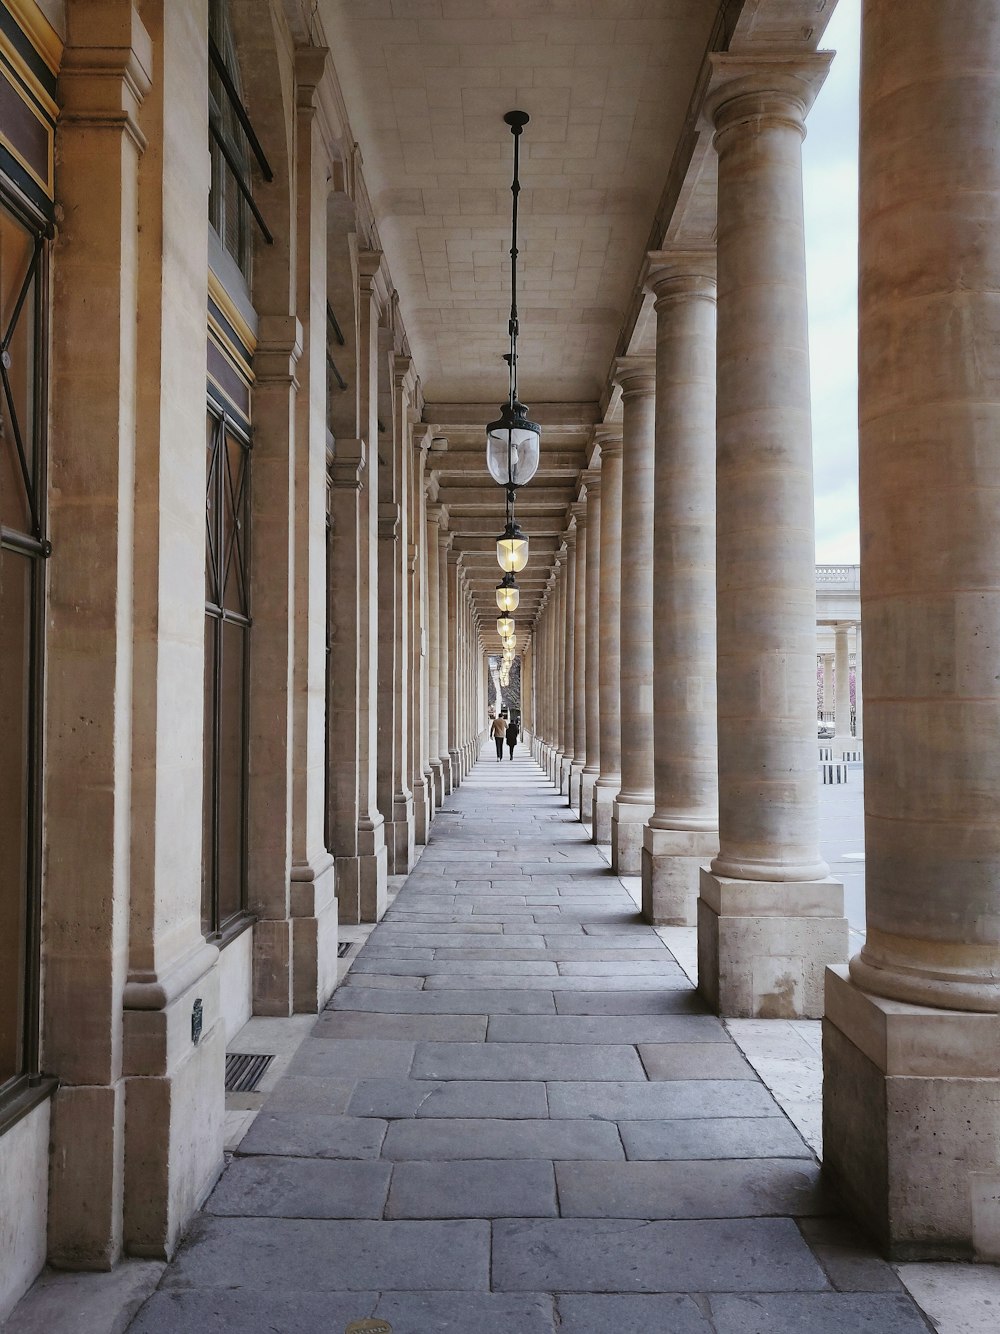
x,y
728,692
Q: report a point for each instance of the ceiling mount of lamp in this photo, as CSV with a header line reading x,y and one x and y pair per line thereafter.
x,y
512,441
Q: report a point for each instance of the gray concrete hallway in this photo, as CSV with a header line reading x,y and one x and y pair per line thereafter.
x,y
515,1116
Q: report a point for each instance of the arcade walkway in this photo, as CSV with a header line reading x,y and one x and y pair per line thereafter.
x,y
516,1116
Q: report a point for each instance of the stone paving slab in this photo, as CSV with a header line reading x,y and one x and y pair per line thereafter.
x,y
428,1140
497,981
435,970
695,1030
473,1189
301,1188
714,1137
673,1100
418,1027
817,1313
334,1255
494,1099
525,1060
602,1313
708,1189
621,1255
674,1001
690,1060
352,1057
306,1135
460,1001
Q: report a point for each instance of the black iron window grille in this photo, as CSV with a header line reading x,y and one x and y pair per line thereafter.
x,y
227,676
232,142
23,551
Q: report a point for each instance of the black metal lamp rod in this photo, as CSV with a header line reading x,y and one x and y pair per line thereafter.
x,y
517,121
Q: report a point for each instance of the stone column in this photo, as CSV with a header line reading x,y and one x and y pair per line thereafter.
x,y
842,738
579,509
422,777
435,515
372,864
911,1066
445,540
683,831
453,575
568,664
608,782
592,731
633,804
827,687
859,698
769,918
559,669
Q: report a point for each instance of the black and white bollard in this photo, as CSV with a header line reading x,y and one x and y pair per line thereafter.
x,y
833,771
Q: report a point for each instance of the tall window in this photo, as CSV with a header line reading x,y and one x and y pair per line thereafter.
x,y
230,205
23,549
227,671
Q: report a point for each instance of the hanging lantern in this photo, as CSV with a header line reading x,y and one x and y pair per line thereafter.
x,y
508,595
512,549
512,445
505,626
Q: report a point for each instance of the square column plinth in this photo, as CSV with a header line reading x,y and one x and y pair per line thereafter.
x,y
763,946
628,820
671,868
602,808
911,1136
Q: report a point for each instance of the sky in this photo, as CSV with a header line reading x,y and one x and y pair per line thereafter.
x,y
830,178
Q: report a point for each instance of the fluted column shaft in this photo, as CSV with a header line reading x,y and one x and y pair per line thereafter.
x,y
634,803
609,781
766,590
682,832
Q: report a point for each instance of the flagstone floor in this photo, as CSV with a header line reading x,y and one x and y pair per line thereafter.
x,y
516,1117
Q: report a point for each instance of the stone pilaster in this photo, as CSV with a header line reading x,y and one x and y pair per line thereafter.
x,y
592,701
89,641
683,831
633,803
453,574
608,782
912,1034
769,917
420,770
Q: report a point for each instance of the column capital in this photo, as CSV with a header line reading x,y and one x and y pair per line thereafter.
x,y
769,89
569,539
445,539
388,520
454,557
608,438
635,375
348,466
673,275
435,513
591,479
421,437
372,279
579,511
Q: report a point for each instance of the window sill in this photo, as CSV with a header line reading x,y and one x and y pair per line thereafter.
x,y
232,930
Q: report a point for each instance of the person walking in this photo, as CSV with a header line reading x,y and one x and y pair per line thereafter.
x,y
513,730
499,731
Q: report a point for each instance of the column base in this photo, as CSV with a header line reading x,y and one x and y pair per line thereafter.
x,y
399,836
671,868
565,770
174,1102
628,820
602,809
763,945
373,872
295,957
573,792
437,784
585,809
423,810
447,777
910,1123
456,768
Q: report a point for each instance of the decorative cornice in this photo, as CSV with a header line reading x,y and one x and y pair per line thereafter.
x,y
348,467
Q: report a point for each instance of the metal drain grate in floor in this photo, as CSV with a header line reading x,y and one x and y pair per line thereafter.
x,y
243,1072
344,947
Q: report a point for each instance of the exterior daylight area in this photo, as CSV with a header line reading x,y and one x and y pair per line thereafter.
x,y
462,866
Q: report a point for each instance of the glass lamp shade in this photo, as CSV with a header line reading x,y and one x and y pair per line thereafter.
x,y
510,642
512,446
505,626
508,594
512,549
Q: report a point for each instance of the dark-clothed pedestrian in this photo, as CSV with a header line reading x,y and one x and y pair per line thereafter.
x,y
513,730
499,731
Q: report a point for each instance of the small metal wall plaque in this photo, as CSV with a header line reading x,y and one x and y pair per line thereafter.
x,y
197,1020
368,1327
